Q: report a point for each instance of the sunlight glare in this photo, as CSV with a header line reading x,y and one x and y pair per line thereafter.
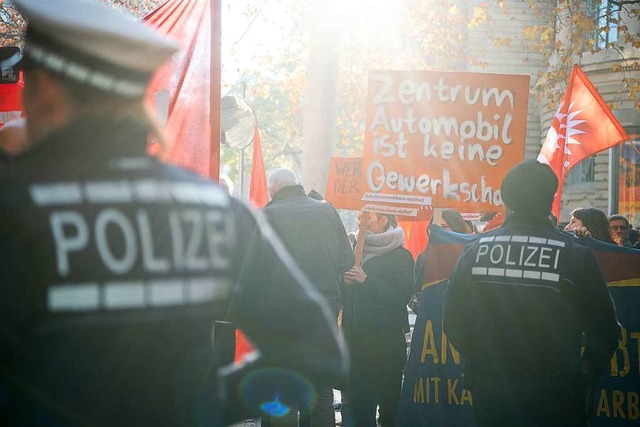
x,y
368,21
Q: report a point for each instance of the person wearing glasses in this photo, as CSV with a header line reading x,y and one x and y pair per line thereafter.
x,y
619,226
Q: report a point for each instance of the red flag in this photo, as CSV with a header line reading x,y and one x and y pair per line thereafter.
x,y
11,101
243,347
258,192
582,127
416,238
190,83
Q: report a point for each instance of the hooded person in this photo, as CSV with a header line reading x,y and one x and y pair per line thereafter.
x,y
516,307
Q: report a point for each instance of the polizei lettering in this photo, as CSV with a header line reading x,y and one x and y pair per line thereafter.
x,y
198,239
136,227
519,257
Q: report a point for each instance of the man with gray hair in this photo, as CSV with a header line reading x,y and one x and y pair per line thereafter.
x,y
280,178
313,233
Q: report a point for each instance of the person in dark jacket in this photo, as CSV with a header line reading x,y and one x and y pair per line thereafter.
x,y
374,321
620,226
314,235
312,231
114,266
517,305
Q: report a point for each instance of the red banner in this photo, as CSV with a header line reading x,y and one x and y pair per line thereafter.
x,y
187,89
10,102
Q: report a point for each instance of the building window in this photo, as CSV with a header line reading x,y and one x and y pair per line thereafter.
x,y
606,16
582,172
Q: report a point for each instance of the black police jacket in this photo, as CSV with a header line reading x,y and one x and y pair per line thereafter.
x,y
520,299
314,235
113,268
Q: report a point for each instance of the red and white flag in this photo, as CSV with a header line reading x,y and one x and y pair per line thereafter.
x,y
582,127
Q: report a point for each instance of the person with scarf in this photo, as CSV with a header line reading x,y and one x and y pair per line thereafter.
x,y
375,320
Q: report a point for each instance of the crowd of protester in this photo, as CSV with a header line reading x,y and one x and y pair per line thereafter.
x,y
295,277
616,229
373,299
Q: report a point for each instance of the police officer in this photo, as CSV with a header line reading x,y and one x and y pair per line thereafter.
x,y
517,305
114,266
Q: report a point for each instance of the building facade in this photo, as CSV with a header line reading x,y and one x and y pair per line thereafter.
x,y
502,45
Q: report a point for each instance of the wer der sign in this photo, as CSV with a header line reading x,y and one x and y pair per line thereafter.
x,y
442,139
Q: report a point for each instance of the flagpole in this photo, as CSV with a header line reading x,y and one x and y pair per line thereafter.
x,y
614,176
215,89
557,201
241,166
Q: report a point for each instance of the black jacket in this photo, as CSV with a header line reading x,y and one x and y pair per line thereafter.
x,y
380,303
519,300
113,268
313,233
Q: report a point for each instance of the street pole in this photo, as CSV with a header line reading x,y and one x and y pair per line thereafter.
x,y
243,92
614,174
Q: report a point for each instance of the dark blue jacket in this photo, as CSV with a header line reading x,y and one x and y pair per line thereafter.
x,y
313,233
520,299
113,269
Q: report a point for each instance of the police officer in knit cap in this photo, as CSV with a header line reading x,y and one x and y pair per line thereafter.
x,y
529,188
517,305
114,266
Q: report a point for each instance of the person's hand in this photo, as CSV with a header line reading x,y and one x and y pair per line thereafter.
x,y
355,275
414,304
581,232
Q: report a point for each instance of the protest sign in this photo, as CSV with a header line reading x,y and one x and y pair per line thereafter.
x,y
345,190
344,183
442,139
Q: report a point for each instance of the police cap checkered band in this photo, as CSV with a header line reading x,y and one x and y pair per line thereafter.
x,y
93,44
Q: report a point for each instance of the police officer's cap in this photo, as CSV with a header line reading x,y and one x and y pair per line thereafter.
x,y
93,44
529,188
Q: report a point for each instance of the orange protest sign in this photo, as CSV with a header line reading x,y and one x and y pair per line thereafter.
x,y
345,190
442,139
344,183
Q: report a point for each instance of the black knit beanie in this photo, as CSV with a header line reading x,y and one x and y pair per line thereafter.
x,y
529,188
